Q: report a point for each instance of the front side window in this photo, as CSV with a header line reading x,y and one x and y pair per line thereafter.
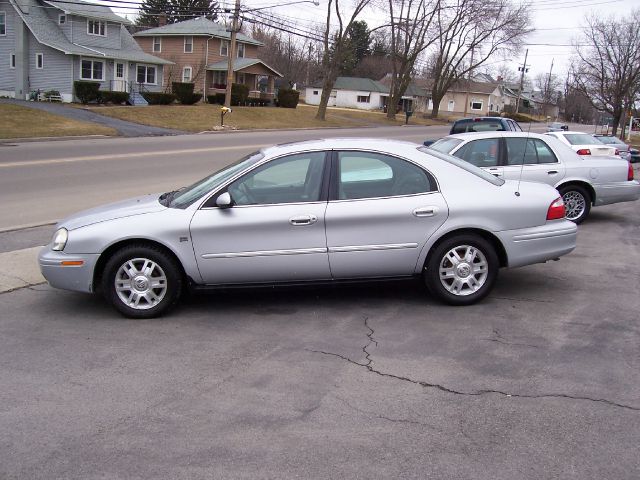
x,y
39,60
481,153
97,27
186,74
374,175
92,70
240,50
157,44
224,48
146,74
291,179
188,44
3,23
528,151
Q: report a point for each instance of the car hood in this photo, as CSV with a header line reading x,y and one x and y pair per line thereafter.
x,y
111,211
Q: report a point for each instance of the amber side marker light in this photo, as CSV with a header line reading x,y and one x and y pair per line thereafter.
x,y
72,263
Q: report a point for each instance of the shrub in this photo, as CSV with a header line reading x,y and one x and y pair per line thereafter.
x,y
216,98
184,93
239,94
113,97
288,98
190,100
518,117
159,98
86,91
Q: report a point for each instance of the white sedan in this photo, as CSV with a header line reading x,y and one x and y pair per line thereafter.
x,y
585,144
582,181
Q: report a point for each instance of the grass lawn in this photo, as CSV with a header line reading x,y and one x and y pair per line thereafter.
x,y
23,122
198,118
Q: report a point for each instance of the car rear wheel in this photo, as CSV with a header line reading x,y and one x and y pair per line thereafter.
x,y
141,281
462,270
577,202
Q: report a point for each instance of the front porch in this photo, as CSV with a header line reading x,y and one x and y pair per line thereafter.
x,y
255,74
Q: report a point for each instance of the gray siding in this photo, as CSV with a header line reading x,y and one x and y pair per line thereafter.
x,y
7,47
109,69
56,74
53,14
79,34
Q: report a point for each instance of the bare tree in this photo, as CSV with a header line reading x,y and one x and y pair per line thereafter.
x,y
607,63
335,45
550,87
411,34
469,33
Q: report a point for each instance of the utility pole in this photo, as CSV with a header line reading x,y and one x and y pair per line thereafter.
x,y
547,93
466,101
523,69
232,54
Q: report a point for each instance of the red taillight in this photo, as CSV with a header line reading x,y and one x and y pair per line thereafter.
x,y
556,210
584,151
630,172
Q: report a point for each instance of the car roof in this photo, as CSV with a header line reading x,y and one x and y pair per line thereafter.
x,y
480,119
374,144
574,132
492,134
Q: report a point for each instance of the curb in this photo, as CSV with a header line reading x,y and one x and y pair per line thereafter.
x,y
26,226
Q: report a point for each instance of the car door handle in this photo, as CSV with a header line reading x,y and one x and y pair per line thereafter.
x,y
303,220
495,172
552,172
425,211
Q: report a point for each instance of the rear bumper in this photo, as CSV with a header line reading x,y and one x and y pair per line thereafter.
x,y
68,277
614,192
538,244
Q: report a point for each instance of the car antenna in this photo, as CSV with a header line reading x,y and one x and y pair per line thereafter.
x,y
524,152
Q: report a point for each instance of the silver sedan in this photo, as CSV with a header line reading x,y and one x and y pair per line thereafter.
x,y
583,181
322,211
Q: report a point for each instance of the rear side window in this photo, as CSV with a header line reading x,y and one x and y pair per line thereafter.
x,y
530,151
374,175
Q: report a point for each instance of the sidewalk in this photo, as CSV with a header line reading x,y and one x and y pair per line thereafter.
x,y
124,128
19,269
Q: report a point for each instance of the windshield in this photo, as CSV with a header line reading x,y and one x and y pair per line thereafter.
x,y
478,172
445,145
609,140
185,197
581,139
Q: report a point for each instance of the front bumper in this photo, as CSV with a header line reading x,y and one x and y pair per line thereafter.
x,y
64,271
615,192
538,244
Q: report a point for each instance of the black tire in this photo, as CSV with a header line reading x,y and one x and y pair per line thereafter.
x,y
577,202
487,264
161,270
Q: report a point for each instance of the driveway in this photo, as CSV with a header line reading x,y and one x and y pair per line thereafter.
x,y
124,128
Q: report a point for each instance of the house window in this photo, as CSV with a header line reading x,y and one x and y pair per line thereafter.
x,y
157,44
240,78
240,50
96,27
476,105
3,23
219,79
146,74
186,74
120,70
363,99
39,61
12,60
92,70
224,48
315,92
188,44
62,19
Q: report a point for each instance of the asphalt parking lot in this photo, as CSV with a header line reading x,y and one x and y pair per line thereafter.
x,y
541,380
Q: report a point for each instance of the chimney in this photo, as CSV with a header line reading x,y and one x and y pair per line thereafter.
x,y
162,19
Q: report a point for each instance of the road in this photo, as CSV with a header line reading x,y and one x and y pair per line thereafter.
x,y
42,182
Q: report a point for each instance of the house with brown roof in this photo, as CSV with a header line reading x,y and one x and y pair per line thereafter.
x,y
199,50
484,99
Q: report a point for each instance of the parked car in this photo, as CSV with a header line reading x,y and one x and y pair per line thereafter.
x,y
319,211
583,182
557,127
612,141
484,124
585,144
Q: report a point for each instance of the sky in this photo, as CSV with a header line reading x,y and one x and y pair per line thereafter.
x,y
557,22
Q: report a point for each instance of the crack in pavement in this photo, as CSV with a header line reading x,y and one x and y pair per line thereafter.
x,y
389,419
505,341
369,366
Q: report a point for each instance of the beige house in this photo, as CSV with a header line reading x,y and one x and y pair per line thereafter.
x,y
484,99
199,50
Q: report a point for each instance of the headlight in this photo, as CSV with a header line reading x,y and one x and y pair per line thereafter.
x,y
60,239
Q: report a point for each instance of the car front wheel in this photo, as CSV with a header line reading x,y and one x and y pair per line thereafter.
x,y
462,270
577,203
141,281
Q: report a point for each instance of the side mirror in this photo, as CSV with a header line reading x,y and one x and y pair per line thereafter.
x,y
428,143
224,200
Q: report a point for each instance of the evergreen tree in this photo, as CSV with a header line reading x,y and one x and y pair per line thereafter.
x,y
175,11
